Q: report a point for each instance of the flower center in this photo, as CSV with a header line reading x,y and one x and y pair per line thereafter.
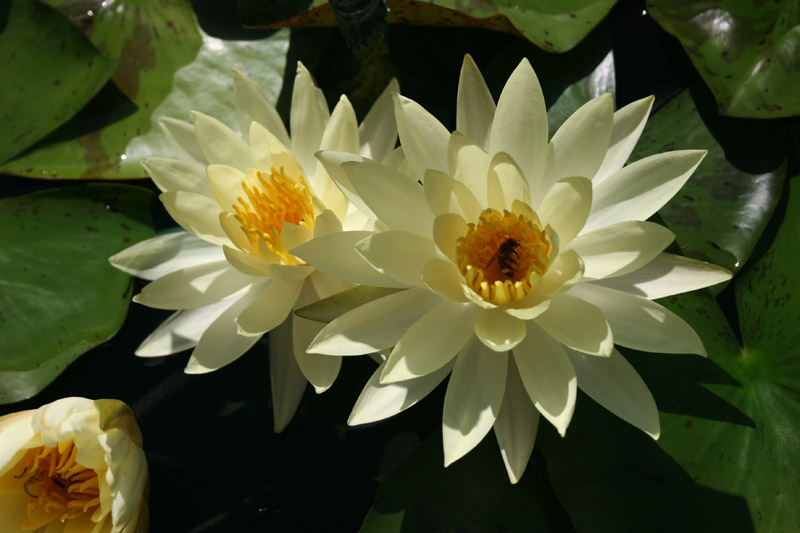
x,y
504,256
275,200
58,486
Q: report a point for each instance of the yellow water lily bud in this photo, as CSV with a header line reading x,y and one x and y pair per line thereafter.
x,y
74,465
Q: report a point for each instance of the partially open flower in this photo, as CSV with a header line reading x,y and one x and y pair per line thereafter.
x,y
74,465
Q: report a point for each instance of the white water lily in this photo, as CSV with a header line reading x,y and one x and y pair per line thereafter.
x,y
525,260
74,465
245,202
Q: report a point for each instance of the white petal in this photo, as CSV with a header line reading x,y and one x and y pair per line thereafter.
x,y
473,399
254,106
290,274
566,207
447,228
378,401
475,106
378,130
424,139
621,248
396,199
287,381
498,330
226,183
336,255
327,222
448,196
293,235
641,324
469,165
307,118
642,188
666,275
331,162
431,342
566,271
399,254
181,331
341,134
220,144
158,256
444,278
613,383
197,214
184,138
628,125
577,324
193,287
516,425
236,235
174,175
269,309
247,263
319,370
548,376
505,183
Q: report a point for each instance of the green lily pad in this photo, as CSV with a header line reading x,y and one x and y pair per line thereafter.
x,y
49,72
746,52
729,437
59,296
721,212
471,495
600,81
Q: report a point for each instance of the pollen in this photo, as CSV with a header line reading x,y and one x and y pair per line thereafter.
x,y
273,201
57,486
504,256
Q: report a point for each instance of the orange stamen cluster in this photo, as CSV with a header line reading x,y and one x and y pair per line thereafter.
x,y
57,485
276,199
503,256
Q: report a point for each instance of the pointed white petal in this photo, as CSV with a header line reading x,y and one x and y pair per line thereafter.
x,y
331,162
269,309
399,254
473,399
516,425
565,311
469,165
158,256
319,370
293,235
628,125
327,222
498,330
548,376
220,144
287,381
444,278
505,183
566,271
197,214
341,134
447,228
448,196
424,139
307,118
181,330
613,383
378,130
254,106
226,183
175,175
475,106
184,138
566,207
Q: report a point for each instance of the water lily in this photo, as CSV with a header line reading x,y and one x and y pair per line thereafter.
x,y
525,259
74,465
245,202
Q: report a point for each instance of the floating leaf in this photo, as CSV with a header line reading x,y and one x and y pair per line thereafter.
x,y
49,72
746,52
59,296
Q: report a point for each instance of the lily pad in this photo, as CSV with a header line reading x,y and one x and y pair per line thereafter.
x,y
721,212
49,71
729,438
59,296
746,52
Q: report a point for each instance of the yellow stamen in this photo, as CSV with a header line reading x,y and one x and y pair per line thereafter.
x,y
504,256
276,199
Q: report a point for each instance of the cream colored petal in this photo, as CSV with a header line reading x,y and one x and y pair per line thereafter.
x,y
281,158
516,425
327,222
469,165
577,324
221,343
327,285
666,275
158,256
641,324
548,376
225,183
424,139
175,175
431,342
234,231
444,278
290,274
498,330
341,134
566,207
220,144
182,330
377,401
621,248
505,183
374,326
336,255
473,399
254,106
269,309
566,271
182,135
474,106
398,254
17,434
397,200
319,370
520,123
447,228
261,147
246,263
529,307
197,214
446,195
287,381
628,125
642,188
293,235
331,162
580,144
193,287
378,130
307,118
613,383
